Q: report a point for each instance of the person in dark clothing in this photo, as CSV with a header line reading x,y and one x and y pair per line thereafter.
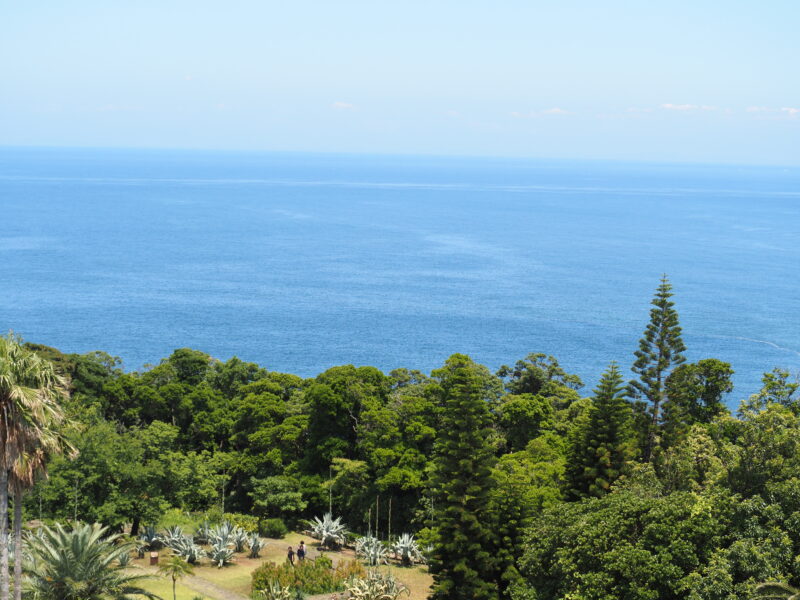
x,y
301,551
290,555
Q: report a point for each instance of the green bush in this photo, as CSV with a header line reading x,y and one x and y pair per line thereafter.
x,y
273,528
247,522
309,577
175,516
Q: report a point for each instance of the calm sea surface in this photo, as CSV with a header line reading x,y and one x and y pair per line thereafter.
x,y
301,262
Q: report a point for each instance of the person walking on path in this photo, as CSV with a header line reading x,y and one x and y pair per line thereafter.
x,y
290,555
301,551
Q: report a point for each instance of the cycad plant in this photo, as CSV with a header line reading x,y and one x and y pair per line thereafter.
x,y
80,564
329,531
406,550
776,591
372,550
256,545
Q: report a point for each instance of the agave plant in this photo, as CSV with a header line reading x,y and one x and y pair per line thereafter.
x,y
376,586
777,591
186,548
407,550
275,591
224,531
239,538
171,534
124,559
220,554
80,563
151,538
255,544
372,550
329,531
203,532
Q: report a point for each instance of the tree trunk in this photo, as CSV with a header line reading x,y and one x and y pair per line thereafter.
x,y
174,594
17,544
135,526
4,534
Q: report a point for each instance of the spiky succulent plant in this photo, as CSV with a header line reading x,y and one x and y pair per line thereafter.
x,y
172,533
239,539
220,555
255,544
151,538
372,550
375,586
329,531
201,534
406,550
275,591
186,548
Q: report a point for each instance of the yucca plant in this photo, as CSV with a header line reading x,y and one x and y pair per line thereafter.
x,y
776,591
372,550
187,549
220,555
376,586
80,564
276,591
151,538
329,531
239,539
255,544
406,550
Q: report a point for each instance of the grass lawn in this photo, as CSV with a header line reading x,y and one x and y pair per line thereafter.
x,y
236,578
163,587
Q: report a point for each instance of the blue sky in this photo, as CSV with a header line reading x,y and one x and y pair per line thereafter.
x,y
700,81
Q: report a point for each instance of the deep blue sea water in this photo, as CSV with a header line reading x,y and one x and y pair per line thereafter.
x,y
301,262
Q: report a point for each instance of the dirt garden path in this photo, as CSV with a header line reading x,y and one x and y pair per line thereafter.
x,y
211,590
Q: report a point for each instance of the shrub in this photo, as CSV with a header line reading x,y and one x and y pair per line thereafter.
x,y
175,516
247,522
273,528
309,577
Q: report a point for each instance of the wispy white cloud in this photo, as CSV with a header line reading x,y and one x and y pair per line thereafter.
x,y
686,107
555,111
343,106
790,111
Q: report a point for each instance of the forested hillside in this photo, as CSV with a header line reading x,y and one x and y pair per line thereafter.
x,y
527,482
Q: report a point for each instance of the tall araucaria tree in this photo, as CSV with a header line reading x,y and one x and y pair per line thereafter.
x,y
30,413
462,562
660,350
602,443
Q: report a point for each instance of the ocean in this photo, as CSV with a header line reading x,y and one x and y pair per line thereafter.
x,y
304,261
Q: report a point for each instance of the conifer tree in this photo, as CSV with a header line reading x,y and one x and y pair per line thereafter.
x,y
602,443
660,349
462,561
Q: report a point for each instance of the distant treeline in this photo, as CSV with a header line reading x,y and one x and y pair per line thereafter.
x,y
523,482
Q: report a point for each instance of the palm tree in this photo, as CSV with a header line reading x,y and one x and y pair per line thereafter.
x,y
776,591
176,568
80,564
30,391
31,464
